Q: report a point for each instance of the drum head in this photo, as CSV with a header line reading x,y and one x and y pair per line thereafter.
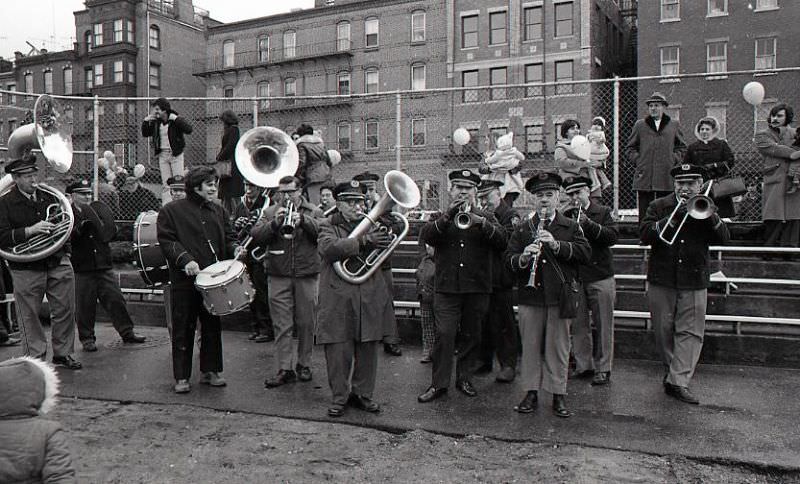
x,y
219,273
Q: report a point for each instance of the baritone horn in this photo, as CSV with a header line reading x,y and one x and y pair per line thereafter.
x,y
400,190
51,134
698,207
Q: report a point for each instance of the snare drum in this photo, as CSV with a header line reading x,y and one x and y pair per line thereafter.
x,y
225,286
149,258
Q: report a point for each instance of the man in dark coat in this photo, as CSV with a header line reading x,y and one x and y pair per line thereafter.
x,y
678,278
598,289
91,260
655,145
464,271
350,322
167,130
499,334
553,246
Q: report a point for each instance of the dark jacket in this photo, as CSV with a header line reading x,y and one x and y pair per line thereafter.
x,y
193,230
574,250
716,156
600,229
247,212
17,212
177,128
131,204
296,257
464,257
314,164
685,264
502,277
426,273
230,186
655,152
94,229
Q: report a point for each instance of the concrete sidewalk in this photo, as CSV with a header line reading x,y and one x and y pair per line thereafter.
x,y
748,414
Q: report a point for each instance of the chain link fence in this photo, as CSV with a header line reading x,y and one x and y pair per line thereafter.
x,y
413,130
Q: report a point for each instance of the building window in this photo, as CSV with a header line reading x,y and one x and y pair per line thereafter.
x,y
28,82
98,74
98,34
89,114
130,32
263,92
563,19
418,77
155,37
674,112
119,108
290,86
118,30
534,139
12,99
131,72
533,73
371,135
418,132
721,115
88,78
765,53
717,7
289,44
87,39
371,80
47,76
227,91
469,31
717,57
670,10
430,195
469,79
564,74
343,84
343,36
263,49
155,76
497,27
670,60
766,4
533,23
495,133
228,53
343,135
497,77
118,71
371,27
418,26
67,76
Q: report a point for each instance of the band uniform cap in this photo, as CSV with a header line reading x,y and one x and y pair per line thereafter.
x,y
466,177
574,183
487,186
80,186
657,97
543,181
176,182
367,177
352,190
21,166
688,172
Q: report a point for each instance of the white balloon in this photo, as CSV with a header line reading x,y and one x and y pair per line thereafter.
x,y
110,156
335,157
138,170
461,136
753,93
581,147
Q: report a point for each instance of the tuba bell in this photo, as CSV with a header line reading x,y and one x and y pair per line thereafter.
x,y
53,137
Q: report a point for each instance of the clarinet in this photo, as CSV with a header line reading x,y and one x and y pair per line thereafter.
x,y
535,260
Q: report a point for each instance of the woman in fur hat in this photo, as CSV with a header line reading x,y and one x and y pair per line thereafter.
x,y
714,155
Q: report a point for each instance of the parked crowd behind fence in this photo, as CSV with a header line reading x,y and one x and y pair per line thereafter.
x,y
366,128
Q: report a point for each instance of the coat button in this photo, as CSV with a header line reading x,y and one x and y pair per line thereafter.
x,y
462,245
461,265
680,261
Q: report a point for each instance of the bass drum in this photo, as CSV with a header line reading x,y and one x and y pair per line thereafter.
x,y
151,262
225,286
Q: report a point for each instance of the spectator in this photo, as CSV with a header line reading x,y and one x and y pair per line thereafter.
x,y
568,162
231,183
502,165
425,290
655,146
106,191
715,156
314,169
598,157
781,210
167,130
326,200
133,197
749,204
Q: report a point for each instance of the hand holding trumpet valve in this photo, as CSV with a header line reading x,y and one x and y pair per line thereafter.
x,y
376,239
43,227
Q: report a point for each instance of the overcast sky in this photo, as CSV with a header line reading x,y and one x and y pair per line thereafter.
x,y
50,23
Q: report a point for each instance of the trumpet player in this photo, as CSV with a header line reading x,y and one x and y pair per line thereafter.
x,y
23,215
292,267
678,276
544,252
598,290
463,282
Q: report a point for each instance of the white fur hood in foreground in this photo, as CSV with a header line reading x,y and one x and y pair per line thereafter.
x,y
29,387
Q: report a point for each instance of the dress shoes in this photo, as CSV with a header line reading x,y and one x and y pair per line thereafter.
x,y
282,378
10,342
431,394
528,404
560,406
363,403
506,375
263,338
392,349
90,346
252,336
134,339
336,410
182,386
213,378
581,375
681,393
465,387
601,378
426,358
67,362
303,373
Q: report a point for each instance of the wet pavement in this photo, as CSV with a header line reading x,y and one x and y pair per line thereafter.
x,y
747,414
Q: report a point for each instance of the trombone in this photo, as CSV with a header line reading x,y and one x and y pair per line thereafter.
x,y
699,207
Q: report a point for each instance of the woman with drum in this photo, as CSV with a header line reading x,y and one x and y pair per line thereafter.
x,y
193,234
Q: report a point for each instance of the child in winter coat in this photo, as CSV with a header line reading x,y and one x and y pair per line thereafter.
x,y
425,289
599,154
32,449
503,165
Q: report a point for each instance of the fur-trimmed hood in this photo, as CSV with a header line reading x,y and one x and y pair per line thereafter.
x,y
309,138
714,130
29,387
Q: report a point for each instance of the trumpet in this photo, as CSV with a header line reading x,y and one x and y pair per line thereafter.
x,y
535,260
286,229
698,207
463,218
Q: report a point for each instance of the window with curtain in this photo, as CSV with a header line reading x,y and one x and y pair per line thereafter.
x,y
343,36
98,34
263,49
418,26
119,72
371,30
228,53
670,60
343,84
371,80
371,135
418,77
765,53
155,37
67,75
717,57
289,44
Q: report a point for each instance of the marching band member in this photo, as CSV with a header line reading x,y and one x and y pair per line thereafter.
x,y
91,260
598,290
177,191
499,334
545,254
23,212
464,272
194,233
292,267
350,322
678,278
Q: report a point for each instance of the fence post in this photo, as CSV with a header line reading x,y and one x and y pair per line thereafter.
x,y
96,147
255,112
398,130
616,147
